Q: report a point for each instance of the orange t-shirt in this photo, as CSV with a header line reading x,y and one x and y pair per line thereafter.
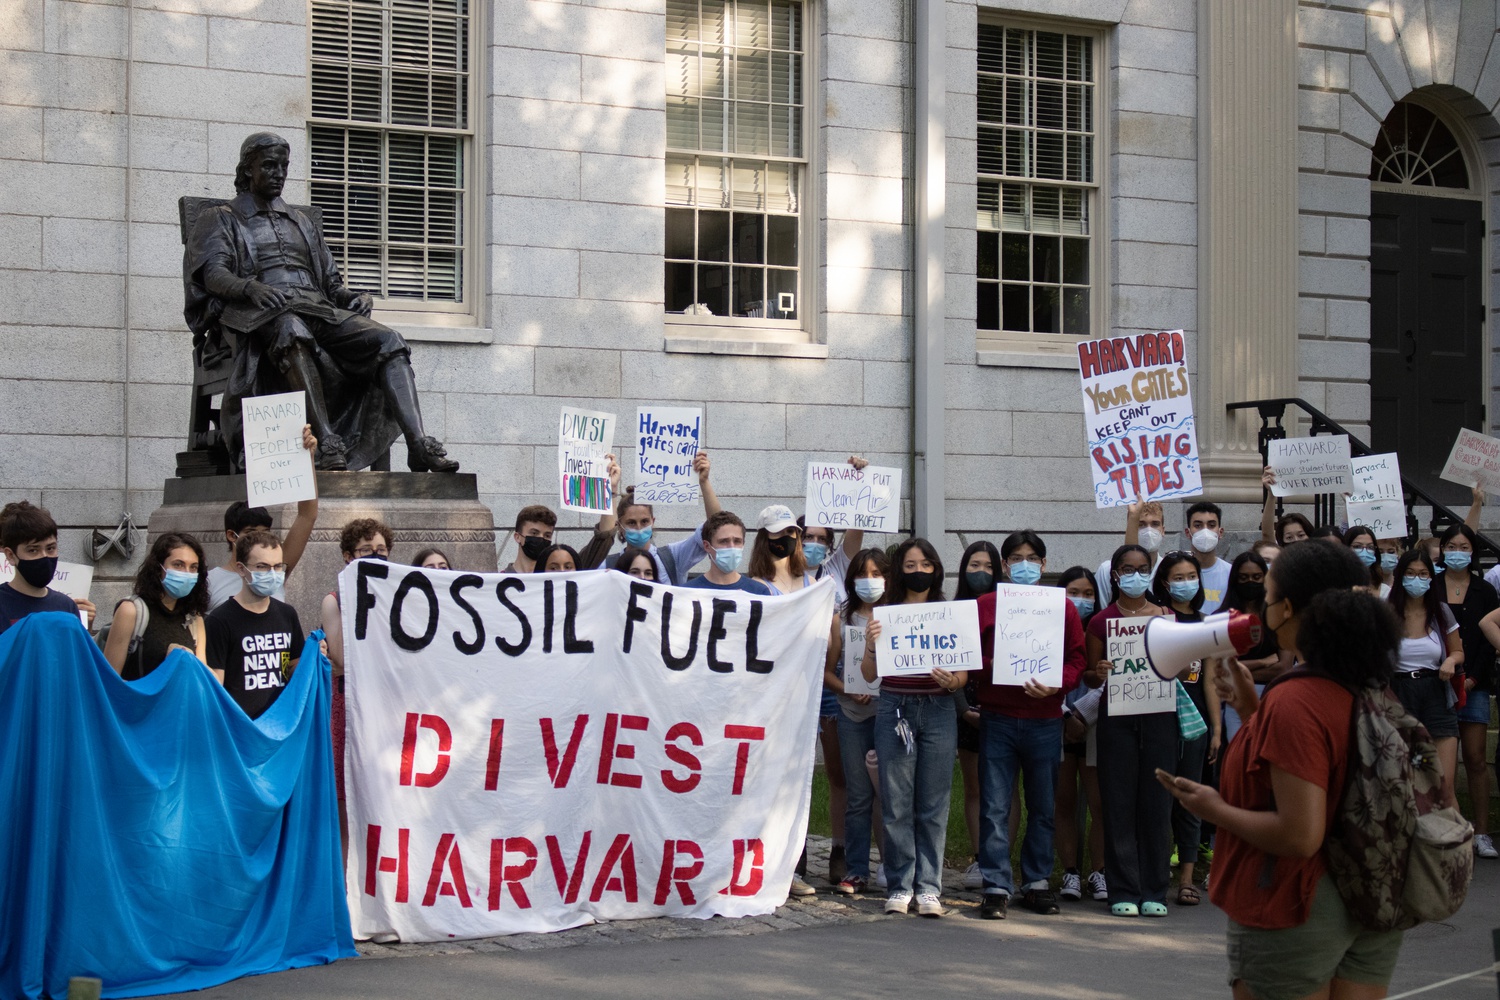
x,y
1302,728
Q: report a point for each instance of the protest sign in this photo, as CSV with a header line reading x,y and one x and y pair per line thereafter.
x,y
919,638
854,652
73,579
1029,628
1138,416
1474,461
1310,465
535,753
1134,688
584,438
841,497
1376,499
277,468
6,570
667,441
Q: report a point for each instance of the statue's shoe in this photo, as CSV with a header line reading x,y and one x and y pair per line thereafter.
x,y
429,455
332,456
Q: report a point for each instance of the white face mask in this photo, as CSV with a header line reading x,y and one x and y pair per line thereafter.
x,y
1150,539
1206,540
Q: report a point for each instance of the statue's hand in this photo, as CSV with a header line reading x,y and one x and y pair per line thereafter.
x,y
263,296
363,303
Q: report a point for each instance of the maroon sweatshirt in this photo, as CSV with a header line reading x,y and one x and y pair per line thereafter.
x,y
1011,700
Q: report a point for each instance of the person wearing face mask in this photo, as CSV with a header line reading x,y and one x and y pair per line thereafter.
x,y
916,734
1267,660
776,558
171,590
223,580
1361,541
978,566
1146,526
723,537
28,541
865,582
1176,586
1388,554
1205,530
1137,810
1079,767
255,640
1022,738
1431,655
637,523
1471,599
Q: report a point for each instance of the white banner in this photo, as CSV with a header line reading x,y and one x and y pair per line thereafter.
x,y
532,753
1310,465
919,638
841,497
667,439
1030,626
277,468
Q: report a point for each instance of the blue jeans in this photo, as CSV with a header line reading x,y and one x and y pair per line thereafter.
x,y
914,787
1032,748
855,740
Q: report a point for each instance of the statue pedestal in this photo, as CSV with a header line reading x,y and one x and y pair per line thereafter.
x,y
423,510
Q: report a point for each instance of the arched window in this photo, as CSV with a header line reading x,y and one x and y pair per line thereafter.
x,y
1415,149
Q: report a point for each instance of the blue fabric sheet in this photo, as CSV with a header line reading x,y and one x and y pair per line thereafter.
x,y
152,834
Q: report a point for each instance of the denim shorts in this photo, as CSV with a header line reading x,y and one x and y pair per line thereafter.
x,y
1294,962
1427,699
1476,709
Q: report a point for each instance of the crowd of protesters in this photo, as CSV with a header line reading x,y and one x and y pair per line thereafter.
x,y
1086,796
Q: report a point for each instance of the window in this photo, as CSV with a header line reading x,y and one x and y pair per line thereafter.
x,y
392,143
736,163
1037,186
1415,149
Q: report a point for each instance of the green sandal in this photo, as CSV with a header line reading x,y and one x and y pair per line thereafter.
x,y
1154,909
1125,910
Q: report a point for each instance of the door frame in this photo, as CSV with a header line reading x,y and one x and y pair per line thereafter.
x,y
1475,166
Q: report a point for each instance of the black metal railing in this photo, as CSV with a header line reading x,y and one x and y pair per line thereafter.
x,y
1325,505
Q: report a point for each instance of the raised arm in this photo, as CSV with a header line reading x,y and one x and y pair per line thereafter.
x,y
607,521
701,465
1268,509
1133,522
854,538
1472,519
295,542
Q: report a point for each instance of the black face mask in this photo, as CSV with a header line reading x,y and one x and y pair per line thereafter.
x,y
535,546
1253,591
781,547
37,572
917,582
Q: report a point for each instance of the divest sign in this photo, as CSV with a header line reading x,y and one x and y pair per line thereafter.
x,y
531,753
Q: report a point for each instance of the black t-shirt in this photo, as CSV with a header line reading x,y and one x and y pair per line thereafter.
x,y
255,651
15,605
1192,679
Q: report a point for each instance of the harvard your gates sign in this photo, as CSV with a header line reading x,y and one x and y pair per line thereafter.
x,y
534,753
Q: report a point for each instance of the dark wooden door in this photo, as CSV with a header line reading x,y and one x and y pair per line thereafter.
x,y
1426,332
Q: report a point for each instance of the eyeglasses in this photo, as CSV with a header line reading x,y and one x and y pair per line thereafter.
x,y
267,568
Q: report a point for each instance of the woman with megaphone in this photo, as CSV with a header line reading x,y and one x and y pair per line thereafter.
x,y
1131,748
1290,933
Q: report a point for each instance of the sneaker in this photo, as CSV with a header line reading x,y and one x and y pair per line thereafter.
x,y
1042,901
801,888
1072,886
972,878
1174,858
897,902
1098,888
879,877
837,867
1206,853
1484,846
851,884
994,906
385,937
928,905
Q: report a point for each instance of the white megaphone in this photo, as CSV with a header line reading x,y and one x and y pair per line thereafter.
x,y
1172,646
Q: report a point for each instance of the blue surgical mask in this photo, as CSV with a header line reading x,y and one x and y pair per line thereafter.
x,y
869,589
1366,556
728,560
1085,605
177,583
266,582
1458,561
638,537
1183,590
1417,586
1026,573
1134,584
815,553
1388,561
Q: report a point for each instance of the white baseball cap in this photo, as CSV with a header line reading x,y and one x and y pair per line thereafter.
x,y
777,517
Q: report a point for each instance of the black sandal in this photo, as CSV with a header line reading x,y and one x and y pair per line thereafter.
x,y
1187,895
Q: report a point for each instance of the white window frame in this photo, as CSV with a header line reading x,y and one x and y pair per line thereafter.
x,y
451,322
692,334
1008,348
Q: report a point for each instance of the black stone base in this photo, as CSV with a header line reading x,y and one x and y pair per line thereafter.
x,y
366,485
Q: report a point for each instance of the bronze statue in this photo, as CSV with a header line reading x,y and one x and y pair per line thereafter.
x,y
258,271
